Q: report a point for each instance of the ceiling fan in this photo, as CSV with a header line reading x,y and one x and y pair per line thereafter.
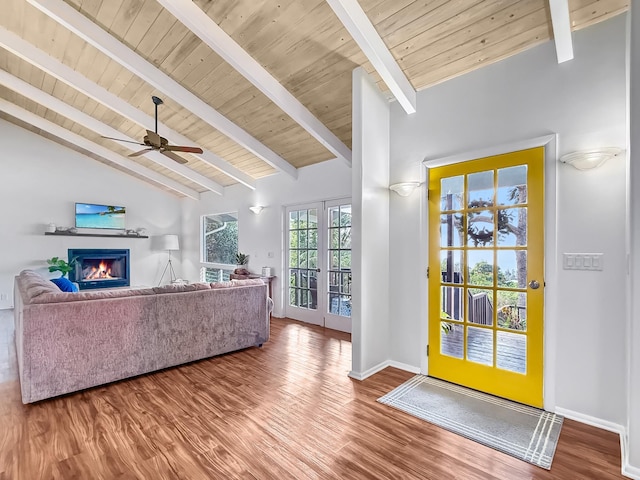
x,y
156,142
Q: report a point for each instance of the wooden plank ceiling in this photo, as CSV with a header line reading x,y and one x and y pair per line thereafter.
x,y
300,42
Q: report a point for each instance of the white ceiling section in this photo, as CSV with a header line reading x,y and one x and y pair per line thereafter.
x,y
364,33
83,143
561,22
110,46
210,33
41,60
263,87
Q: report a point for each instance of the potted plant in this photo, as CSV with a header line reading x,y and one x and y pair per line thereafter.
x,y
242,260
59,265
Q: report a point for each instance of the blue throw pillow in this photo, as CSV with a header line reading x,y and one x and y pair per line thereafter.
x,y
65,284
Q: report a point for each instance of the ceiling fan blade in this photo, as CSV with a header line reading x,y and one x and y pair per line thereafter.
x,y
154,138
178,148
122,140
141,152
173,156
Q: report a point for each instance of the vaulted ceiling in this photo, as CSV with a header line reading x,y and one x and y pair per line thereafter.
x,y
77,70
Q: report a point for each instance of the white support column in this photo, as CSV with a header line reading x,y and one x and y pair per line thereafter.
x,y
631,464
370,229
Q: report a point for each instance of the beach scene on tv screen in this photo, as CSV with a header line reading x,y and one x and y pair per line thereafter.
x,y
99,216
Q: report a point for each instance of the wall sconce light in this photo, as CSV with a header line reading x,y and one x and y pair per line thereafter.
x,y
404,189
589,159
256,209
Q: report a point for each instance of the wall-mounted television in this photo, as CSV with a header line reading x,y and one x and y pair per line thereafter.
x,y
90,215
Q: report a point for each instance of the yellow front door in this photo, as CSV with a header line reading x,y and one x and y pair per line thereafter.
x,y
486,264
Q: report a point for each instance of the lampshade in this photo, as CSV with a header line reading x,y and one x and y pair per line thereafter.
x,y
589,159
168,242
404,189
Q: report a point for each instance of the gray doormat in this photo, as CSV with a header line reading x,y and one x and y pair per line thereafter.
x,y
524,432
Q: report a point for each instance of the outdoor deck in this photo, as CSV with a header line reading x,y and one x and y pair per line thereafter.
x,y
511,347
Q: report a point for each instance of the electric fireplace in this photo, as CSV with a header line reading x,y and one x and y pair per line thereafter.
x,y
100,268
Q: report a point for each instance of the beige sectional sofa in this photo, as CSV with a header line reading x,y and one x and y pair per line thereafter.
x,y
67,342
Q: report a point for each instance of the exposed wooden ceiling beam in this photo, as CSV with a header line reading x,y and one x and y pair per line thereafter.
x,y
366,36
561,22
117,51
81,142
29,91
187,12
36,57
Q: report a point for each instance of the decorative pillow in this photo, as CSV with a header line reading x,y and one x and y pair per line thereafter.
x,y
65,285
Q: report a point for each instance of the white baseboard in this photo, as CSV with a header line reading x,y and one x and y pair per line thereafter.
x,y
627,470
589,420
381,366
404,366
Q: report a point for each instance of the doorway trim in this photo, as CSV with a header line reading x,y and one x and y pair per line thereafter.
x,y
549,142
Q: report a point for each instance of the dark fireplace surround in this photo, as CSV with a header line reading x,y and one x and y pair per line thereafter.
x,y
100,268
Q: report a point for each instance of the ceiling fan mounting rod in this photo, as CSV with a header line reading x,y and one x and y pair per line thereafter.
x,y
156,101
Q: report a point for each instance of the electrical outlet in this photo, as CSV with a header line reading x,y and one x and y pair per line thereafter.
x,y
270,255
4,297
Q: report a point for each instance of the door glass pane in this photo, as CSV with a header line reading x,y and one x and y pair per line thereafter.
x,y
451,190
511,352
512,227
512,310
512,185
480,228
293,220
339,251
480,345
452,303
480,187
480,267
303,256
480,306
450,230
451,266
451,339
512,268
312,218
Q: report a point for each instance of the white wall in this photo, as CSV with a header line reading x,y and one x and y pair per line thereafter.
x,y
370,227
261,234
40,181
519,98
633,372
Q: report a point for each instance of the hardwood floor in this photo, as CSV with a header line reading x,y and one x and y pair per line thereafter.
x,y
284,411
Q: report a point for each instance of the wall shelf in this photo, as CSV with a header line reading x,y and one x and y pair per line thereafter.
x,y
113,235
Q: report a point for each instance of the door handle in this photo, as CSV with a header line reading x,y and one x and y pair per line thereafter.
x,y
318,270
534,284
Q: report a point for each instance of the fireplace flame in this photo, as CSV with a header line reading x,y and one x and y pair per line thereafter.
x,y
102,271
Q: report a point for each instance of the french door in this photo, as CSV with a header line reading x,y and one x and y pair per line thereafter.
x,y
486,285
318,239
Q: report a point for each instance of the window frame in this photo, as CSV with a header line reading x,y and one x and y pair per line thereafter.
x,y
214,265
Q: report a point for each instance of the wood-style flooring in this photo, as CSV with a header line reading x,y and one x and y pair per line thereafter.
x,y
284,411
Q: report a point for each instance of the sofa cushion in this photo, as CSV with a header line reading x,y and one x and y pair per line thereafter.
x,y
228,284
61,297
248,281
182,287
33,285
65,285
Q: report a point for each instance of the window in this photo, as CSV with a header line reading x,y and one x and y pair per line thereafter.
x,y
219,245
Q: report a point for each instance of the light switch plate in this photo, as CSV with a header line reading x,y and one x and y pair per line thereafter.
x,y
582,261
